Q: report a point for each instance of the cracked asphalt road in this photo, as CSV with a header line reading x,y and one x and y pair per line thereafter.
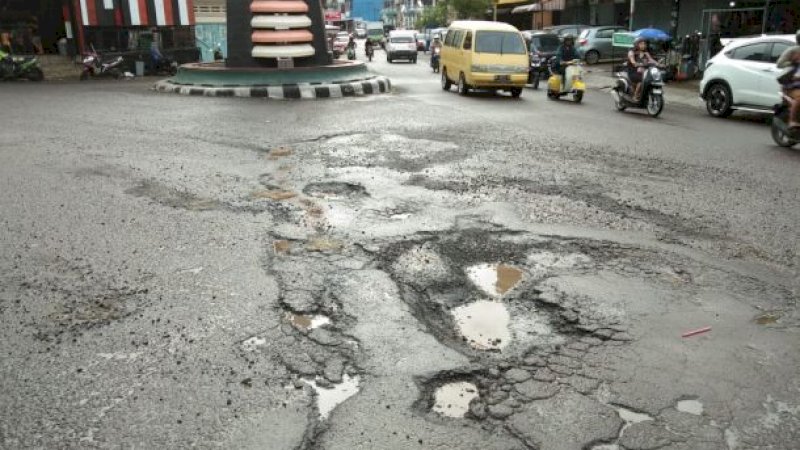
x,y
411,271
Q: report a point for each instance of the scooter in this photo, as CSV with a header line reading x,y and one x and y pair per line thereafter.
x,y
351,53
781,133
93,66
369,50
652,98
436,55
537,67
572,82
17,67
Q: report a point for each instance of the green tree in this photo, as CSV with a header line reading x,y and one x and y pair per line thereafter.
x,y
469,9
434,16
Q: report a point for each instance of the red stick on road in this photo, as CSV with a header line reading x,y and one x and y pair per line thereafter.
x,y
696,332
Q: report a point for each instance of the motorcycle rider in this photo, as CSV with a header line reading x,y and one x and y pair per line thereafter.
x,y
566,53
638,56
790,58
435,45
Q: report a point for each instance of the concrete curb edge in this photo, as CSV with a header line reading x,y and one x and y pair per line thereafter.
x,y
370,86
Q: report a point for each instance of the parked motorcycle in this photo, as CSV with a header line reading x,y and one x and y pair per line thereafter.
x,y
652,98
436,56
572,82
93,66
20,67
369,50
781,133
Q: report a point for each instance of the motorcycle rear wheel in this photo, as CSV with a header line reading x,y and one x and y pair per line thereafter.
x,y
536,81
35,74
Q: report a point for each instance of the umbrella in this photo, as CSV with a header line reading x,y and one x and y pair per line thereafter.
x,y
652,34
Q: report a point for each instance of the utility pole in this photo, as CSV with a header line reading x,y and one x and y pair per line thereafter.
x,y
494,11
630,16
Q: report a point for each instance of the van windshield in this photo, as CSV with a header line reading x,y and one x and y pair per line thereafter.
x,y
499,42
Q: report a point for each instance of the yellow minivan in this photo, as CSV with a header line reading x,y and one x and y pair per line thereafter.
x,y
484,55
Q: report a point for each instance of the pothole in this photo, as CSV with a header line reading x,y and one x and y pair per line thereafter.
x,y
484,324
452,399
306,322
334,190
330,398
691,406
494,279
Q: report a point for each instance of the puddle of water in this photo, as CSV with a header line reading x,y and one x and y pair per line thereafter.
x,y
253,343
452,399
330,398
323,244
494,279
767,318
484,324
403,216
632,416
690,407
305,322
279,152
281,246
606,447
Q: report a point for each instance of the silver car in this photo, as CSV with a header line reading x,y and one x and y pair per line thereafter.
x,y
594,44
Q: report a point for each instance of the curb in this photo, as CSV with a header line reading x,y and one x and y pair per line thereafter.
x,y
371,86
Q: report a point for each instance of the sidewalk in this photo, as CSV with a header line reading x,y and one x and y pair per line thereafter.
x,y
599,77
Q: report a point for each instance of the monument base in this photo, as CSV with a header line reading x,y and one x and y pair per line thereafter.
x,y
340,79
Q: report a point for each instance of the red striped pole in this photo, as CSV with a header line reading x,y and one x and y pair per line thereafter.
x,y
190,8
91,11
143,12
169,14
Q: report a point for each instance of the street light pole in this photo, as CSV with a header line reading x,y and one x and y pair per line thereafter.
x,y
630,16
494,11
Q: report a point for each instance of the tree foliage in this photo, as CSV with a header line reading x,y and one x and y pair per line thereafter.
x,y
444,11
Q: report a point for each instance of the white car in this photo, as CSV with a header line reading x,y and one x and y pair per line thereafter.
x,y
401,44
743,76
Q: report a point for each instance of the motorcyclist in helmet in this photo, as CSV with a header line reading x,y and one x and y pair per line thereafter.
x,y
638,57
566,52
790,81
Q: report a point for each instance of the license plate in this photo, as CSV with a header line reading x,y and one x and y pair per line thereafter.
x,y
502,78
656,91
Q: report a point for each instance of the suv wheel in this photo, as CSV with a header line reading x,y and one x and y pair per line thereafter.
x,y
592,57
718,100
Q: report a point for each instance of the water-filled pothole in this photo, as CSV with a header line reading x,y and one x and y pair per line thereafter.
x,y
253,343
494,279
452,399
690,407
335,189
305,322
484,324
330,398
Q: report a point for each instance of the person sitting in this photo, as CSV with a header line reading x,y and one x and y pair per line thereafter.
x,y
437,43
638,57
790,81
565,54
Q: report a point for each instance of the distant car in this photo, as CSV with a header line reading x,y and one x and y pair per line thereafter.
x,y
541,47
562,30
743,75
594,44
420,42
344,34
361,33
402,45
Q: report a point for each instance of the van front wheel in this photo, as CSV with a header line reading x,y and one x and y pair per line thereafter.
x,y
445,82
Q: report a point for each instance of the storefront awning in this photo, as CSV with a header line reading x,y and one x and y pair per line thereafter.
x,y
543,5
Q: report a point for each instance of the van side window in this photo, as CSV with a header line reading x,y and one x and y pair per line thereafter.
x,y
468,41
448,40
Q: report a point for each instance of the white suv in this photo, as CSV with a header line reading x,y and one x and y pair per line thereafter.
x,y
401,44
743,76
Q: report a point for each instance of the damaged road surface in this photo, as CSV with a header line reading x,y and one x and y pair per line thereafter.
x,y
383,291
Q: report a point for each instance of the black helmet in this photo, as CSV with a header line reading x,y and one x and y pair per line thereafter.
x,y
569,37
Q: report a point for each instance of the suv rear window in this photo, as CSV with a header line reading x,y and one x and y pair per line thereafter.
x,y
402,40
499,42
